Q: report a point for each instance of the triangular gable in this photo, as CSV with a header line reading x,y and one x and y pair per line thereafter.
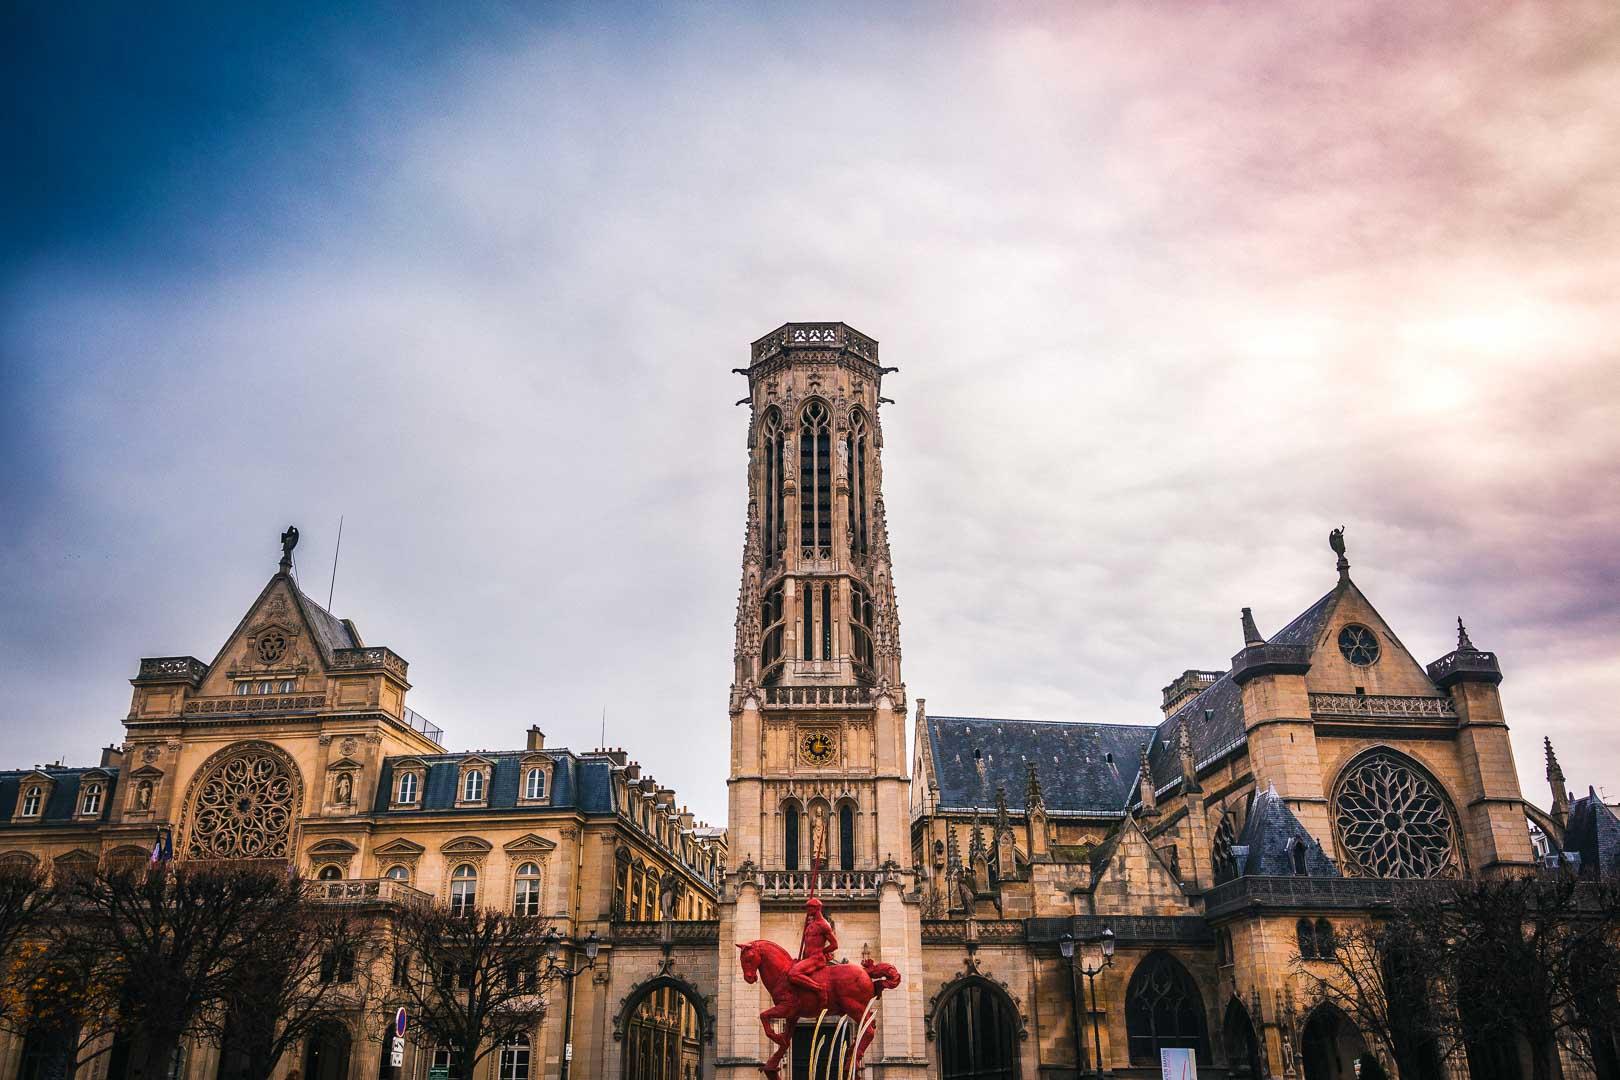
x,y
1131,876
344,763
282,604
529,844
400,847
77,855
1395,671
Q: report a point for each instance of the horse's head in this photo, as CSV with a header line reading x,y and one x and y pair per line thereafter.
x,y
750,961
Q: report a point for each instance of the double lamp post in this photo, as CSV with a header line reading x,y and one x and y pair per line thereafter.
x,y
1096,953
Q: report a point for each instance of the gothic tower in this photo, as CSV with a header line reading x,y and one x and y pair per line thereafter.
x,y
818,785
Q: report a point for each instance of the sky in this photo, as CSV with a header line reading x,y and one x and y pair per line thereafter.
x,y
1173,290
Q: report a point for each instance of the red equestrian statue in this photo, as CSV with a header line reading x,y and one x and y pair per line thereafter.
x,y
801,989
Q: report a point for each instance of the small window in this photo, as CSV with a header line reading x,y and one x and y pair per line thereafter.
x,y
243,689
446,1059
526,895
463,890
515,1060
472,786
402,967
1305,932
265,686
398,873
407,788
790,839
1108,758
337,965
1298,854
534,785
288,686
1326,941
92,800
33,801
330,873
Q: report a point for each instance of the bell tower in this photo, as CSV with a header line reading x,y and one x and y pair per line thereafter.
x,y
818,787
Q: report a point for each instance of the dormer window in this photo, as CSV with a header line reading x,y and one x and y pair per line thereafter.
x,y
33,800
472,786
406,793
534,784
90,803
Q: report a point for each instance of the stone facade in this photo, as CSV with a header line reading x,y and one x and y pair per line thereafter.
x,y
1264,805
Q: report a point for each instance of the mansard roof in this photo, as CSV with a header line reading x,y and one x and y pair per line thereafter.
x,y
62,805
1085,768
577,783
1271,832
1594,832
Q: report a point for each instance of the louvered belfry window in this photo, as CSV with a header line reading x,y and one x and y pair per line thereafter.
x,y
815,481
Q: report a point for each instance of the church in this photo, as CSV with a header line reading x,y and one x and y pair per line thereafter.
x,y
1055,897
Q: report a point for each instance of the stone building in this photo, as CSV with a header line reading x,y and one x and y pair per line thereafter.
x,y
295,742
1056,895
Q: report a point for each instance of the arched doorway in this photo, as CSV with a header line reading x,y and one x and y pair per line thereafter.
x,y
48,1053
662,1032
976,1030
1241,1043
1163,1010
326,1055
1333,1049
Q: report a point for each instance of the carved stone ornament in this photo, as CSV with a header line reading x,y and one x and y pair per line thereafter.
x,y
1393,822
244,806
149,754
348,746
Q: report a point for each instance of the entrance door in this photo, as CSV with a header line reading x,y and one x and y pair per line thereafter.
x,y
327,1057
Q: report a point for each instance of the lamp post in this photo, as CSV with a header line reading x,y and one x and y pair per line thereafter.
x,y
1104,946
553,943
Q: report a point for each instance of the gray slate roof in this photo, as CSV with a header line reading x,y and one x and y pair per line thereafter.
x,y
1271,831
331,632
1594,832
1083,767
64,799
580,783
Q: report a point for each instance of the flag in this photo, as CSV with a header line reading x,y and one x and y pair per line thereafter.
x,y
162,848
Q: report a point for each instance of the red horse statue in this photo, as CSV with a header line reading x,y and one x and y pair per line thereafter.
x,y
802,988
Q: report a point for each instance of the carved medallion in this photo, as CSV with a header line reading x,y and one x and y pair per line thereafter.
x,y
348,746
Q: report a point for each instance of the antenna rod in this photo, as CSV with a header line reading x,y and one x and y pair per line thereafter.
x,y
603,744
335,552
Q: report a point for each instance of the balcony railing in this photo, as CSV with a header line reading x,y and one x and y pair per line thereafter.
x,y
1311,892
255,703
825,335
1128,929
369,658
366,891
1268,659
417,722
976,931
1463,664
668,932
835,883
814,696
1394,706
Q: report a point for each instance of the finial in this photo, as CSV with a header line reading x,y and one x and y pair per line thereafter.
x,y
1336,542
1032,790
1553,769
1251,633
1001,809
289,540
1463,644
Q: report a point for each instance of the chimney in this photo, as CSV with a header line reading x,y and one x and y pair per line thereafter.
x,y
112,757
1186,686
537,738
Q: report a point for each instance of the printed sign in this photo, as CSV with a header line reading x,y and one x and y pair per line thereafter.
x,y
1178,1064
396,1052
439,1072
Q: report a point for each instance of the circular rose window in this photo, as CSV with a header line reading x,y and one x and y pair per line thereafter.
x,y
1359,645
1393,822
244,809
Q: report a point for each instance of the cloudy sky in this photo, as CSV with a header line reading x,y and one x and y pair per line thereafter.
x,y
1173,288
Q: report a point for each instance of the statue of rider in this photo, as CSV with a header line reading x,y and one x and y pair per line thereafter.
x,y
816,950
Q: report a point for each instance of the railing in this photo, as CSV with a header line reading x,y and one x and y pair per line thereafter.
x,y
1465,662
839,883
1128,929
977,931
812,696
372,657
1383,705
366,891
834,335
667,932
417,722
256,703
1264,659
1299,892
189,668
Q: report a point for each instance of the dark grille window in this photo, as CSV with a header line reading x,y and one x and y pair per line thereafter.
x,y
978,1035
1163,1010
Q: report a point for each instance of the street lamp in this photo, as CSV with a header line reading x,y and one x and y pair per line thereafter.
x,y
1104,945
553,943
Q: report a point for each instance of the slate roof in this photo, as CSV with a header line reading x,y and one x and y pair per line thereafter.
x,y
64,799
1073,761
1307,625
1271,831
1594,832
580,783
330,631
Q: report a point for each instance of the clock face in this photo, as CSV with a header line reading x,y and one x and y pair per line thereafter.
x,y
817,747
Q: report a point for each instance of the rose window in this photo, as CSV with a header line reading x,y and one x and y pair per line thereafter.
x,y
272,646
1393,823
1359,645
244,810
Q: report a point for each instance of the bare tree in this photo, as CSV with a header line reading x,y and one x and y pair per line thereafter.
x,y
473,980
25,902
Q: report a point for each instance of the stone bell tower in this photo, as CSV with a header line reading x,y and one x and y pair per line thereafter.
x,y
818,785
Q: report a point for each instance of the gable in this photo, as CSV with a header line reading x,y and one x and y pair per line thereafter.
x,y
1395,671
284,631
1130,876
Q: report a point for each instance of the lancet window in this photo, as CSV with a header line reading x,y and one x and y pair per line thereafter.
x,y
790,837
816,636
861,614
773,628
772,448
860,502
815,481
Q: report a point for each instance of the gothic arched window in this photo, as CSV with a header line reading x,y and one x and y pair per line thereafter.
x,y
1226,866
1326,941
244,808
860,502
1305,934
846,837
861,613
1163,1010
526,892
772,629
1393,821
815,481
773,531
790,838
977,1034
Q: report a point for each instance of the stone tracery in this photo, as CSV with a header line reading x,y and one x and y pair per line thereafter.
x,y
1393,821
244,807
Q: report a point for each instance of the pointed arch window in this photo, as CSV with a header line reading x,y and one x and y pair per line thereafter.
x,y
772,447
846,837
1163,1010
790,838
773,629
860,502
815,481
861,614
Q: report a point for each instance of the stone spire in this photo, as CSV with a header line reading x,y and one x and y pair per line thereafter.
x,y
1463,644
1032,789
1555,780
1150,800
1034,816
1251,633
